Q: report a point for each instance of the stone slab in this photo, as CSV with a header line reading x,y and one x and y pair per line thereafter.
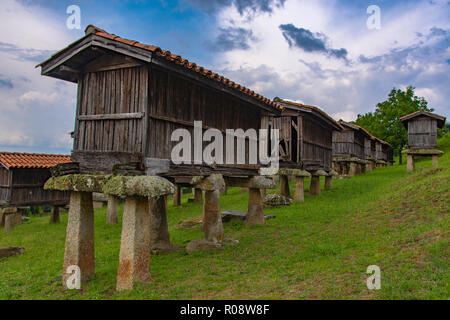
x,y
423,152
142,186
76,182
293,172
6,252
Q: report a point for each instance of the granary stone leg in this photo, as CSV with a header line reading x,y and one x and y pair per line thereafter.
x,y
177,196
112,215
314,188
353,169
409,163
263,193
299,192
159,230
244,190
198,195
255,214
2,218
79,250
328,182
212,220
134,258
10,219
54,215
434,160
284,186
344,168
18,216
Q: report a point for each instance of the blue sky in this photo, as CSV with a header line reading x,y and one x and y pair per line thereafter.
x,y
317,52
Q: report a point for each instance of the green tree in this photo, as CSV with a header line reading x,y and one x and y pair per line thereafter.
x,y
385,123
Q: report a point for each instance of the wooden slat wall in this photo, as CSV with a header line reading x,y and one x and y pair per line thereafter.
x,y
317,145
422,133
175,102
121,91
5,183
27,188
343,143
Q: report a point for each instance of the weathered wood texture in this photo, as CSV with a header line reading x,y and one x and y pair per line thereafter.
x,y
349,144
422,133
25,187
305,140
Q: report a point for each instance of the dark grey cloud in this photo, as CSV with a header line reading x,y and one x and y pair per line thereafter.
x,y
6,83
309,41
25,54
254,6
232,38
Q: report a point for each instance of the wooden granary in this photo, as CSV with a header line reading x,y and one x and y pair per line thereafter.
x,y
422,129
353,148
305,144
131,99
22,178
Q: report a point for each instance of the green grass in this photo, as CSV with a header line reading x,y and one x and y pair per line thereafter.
x,y
318,249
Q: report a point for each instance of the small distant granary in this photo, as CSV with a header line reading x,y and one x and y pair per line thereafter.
x,y
131,98
352,149
22,178
422,129
305,144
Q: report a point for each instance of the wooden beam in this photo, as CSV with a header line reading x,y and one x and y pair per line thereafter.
x,y
112,116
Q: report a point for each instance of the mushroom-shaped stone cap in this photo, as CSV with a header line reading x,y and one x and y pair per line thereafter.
x,y
76,182
333,173
210,183
319,173
293,172
142,186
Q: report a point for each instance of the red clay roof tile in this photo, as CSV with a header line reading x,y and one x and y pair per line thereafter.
x,y
190,65
32,160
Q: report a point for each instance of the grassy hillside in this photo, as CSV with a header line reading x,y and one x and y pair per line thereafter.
x,y
318,249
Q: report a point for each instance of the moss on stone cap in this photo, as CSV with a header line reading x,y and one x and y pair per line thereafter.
x,y
424,152
210,183
76,182
319,173
293,172
143,186
333,173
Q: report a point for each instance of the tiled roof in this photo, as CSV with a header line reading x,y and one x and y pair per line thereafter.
x,y
187,64
31,160
308,107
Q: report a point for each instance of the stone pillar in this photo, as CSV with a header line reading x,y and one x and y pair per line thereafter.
x,y
134,258
314,188
344,168
18,216
255,213
263,193
2,218
177,196
328,182
284,186
159,230
79,250
434,161
112,215
244,190
299,193
54,215
212,220
353,169
198,195
409,163
10,219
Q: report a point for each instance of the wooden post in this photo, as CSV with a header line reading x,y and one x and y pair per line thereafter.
x,y
198,195
255,213
112,216
299,193
79,248
284,186
314,188
177,196
409,163
134,258
54,215
212,220
434,161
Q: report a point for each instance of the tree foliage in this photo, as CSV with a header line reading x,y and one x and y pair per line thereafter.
x,y
385,123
